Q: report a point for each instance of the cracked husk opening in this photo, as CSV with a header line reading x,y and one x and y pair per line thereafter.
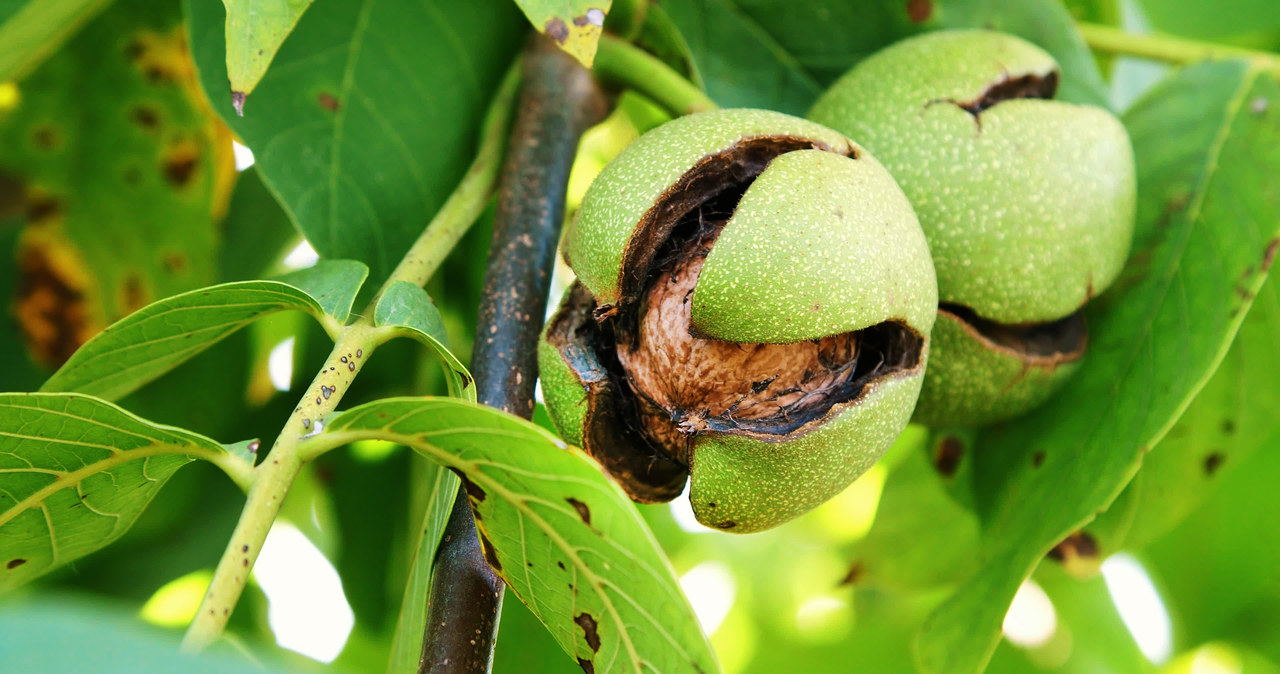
x,y
653,388
1010,88
1037,344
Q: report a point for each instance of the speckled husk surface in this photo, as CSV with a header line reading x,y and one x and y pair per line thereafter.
x,y
744,484
629,186
1028,204
822,242
1010,383
818,245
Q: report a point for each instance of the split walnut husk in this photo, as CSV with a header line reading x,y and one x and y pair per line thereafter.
x,y
1027,202
752,313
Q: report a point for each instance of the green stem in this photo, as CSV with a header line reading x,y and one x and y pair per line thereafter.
x,y
271,483
1167,48
622,64
353,345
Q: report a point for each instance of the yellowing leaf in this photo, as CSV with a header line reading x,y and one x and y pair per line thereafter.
x,y
255,31
575,25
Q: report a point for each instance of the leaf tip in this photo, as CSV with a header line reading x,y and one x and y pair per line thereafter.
x,y
237,102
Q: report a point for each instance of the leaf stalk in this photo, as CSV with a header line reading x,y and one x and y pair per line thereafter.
x,y
624,65
269,482
1167,48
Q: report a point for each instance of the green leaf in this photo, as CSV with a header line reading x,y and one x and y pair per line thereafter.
x,y
1089,635
768,54
331,284
575,25
75,472
407,307
1207,231
742,61
406,649
368,114
1233,416
1219,19
1094,11
31,30
256,234
121,171
1217,569
157,338
21,373
921,537
563,536
255,30
106,640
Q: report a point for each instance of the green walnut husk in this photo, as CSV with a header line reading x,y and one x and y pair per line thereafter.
x,y
1027,203
751,315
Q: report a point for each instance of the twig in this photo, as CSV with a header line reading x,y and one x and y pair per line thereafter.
x,y
559,101
353,344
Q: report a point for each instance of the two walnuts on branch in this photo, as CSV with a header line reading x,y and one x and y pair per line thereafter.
x,y
758,296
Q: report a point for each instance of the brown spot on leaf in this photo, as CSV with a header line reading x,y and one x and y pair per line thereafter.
x,y
145,117
947,455
133,294
154,74
1078,546
1269,255
1172,206
42,208
15,563
135,49
175,263
1037,459
580,21
588,625
162,58
1213,462
50,303
1228,427
180,162
328,101
46,137
490,554
13,195
853,575
919,11
583,511
473,490
556,30
586,666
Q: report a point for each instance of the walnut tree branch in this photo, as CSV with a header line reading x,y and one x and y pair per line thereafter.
x,y
558,102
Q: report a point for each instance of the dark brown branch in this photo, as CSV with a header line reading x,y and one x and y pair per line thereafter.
x,y
558,102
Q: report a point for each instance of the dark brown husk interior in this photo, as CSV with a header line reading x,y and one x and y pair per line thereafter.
x,y
1013,88
1050,343
641,438
1043,344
